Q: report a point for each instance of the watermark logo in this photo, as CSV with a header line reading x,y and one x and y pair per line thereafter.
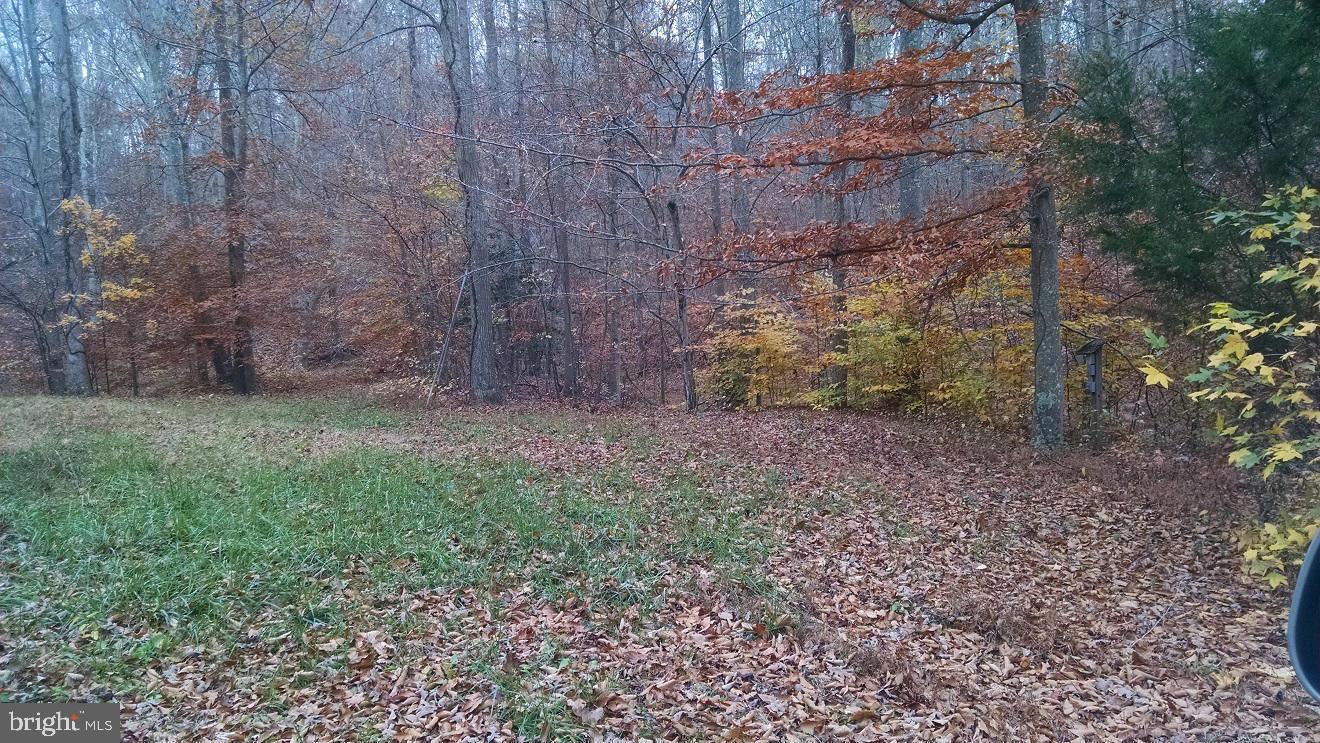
x,y
62,723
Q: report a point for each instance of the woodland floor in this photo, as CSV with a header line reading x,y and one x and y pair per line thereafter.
x,y
285,569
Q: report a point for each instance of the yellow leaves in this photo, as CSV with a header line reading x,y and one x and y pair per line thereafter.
x,y
112,258
444,191
1284,451
1252,362
1271,550
1244,458
1228,323
759,353
1227,679
113,292
1155,376
1263,232
1235,346
1276,421
1300,397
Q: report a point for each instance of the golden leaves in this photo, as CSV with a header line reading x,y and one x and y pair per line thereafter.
x,y
1155,376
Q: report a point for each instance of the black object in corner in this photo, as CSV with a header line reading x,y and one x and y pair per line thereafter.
x,y
1304,622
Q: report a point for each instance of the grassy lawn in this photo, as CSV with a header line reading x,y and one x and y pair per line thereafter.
x,y
293,569
144,536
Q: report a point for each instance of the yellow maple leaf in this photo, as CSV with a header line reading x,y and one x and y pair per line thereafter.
x,y
1284,451
1252,362
1155,376
1234,346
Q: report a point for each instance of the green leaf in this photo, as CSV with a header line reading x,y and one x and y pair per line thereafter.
x,y
1243,458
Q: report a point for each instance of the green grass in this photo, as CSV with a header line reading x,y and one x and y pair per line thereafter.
x,y
139,538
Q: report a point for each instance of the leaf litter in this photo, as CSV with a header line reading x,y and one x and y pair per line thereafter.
x,y
924,584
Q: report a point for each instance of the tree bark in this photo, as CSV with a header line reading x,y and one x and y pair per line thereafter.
x,y
233,148
47,336
456,44
614,378
78,278
685,354
909,188
836,374
568,351
613,244
734,48
735,81
1048,400
712,134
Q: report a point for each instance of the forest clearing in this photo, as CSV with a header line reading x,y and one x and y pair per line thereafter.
x,y
660,370
333,570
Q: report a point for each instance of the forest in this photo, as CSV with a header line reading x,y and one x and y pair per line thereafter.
x,y
617,370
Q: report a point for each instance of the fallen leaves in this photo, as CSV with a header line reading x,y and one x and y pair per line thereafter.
x,y
920,589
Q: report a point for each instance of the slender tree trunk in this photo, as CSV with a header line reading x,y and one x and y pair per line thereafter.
x,y
712,134
685,355
909,187
79,281
614,378
491,37
613,244
563,271
49,340
1048,402
233,148
836,375
455,39
735,81
176,182
568,351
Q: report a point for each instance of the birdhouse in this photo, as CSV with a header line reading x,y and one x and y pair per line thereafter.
x,y
1092,353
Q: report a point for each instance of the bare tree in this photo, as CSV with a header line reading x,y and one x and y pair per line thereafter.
x,y
453,28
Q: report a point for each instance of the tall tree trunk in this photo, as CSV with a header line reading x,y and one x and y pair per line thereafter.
x,y
909,188
1048,401
563,272
712,133
614,378
836,375
233,148
49,339
176,181
568,352
78,278
735,81
685,355
491,37
613,243
456,43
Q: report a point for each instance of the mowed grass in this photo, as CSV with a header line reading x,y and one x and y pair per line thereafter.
x,y
127,541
